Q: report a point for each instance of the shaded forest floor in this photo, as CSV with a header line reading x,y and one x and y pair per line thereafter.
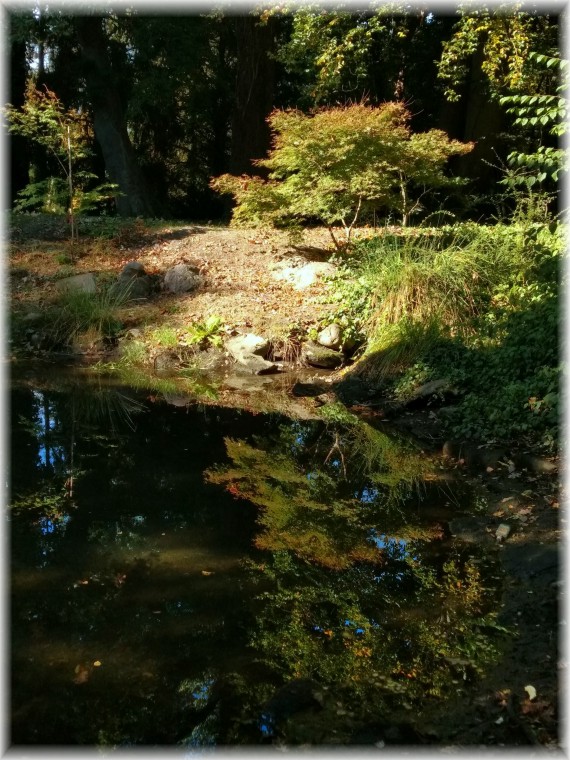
x,y
240,286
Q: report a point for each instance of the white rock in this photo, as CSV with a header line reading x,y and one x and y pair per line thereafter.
x,y
331,336
503,532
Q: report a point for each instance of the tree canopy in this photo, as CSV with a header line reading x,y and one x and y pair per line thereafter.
x,y
174,100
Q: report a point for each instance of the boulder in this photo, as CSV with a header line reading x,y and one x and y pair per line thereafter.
x,y
249,351
178,399
301,274
209,360
32,317
245,345
181,279
133,281
310,390
247,383
330,337
166,361
536,464
440,389
474,456
471,529
257,365
354,390
319,356
84,283
132,269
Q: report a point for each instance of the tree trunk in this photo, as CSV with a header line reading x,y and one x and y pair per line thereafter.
x,y
109,121
475,118
255,85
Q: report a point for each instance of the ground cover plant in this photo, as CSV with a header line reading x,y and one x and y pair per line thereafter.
x,y
477,305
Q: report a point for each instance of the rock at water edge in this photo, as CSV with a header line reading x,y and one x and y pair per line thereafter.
x,y
330,337
84,283
319,356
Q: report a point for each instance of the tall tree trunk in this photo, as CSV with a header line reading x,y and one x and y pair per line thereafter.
x,y
109,121
255,86
475,118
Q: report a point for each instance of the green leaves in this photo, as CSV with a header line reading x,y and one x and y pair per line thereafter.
x,y
67,137
500,43
335,162
541,110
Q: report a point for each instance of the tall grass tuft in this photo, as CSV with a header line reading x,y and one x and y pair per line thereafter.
x,y
428,286
77,312
437,276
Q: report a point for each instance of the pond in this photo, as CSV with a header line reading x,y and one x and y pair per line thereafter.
x,y
195,575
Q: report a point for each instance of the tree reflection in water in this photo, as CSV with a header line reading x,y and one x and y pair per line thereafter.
x,y
316,592
368,597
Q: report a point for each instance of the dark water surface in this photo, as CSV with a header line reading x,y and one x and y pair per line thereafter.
x,y
198,575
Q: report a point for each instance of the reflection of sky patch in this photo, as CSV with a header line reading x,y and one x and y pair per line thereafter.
x,y
368,495
56,454
395,546
267,724
48,526
46,420
204,691
358,631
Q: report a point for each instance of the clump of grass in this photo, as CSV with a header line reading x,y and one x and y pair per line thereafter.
x,y
399,345
164,336
134,352
428,287
77,312
448,278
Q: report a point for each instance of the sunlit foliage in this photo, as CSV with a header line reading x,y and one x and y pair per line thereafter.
x,y
336,162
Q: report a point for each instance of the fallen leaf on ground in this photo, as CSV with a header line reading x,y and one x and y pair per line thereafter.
x,y
82,674
531,691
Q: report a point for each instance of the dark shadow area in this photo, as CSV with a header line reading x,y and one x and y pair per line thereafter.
x,y
181,234
312,253
493,384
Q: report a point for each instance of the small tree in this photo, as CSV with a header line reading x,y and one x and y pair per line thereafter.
x,y
67,136
332,164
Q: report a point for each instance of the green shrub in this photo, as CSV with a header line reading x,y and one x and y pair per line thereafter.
x,y
206,333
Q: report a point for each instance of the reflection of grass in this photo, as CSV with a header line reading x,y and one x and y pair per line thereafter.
x,y
138,378
103,406
383,458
